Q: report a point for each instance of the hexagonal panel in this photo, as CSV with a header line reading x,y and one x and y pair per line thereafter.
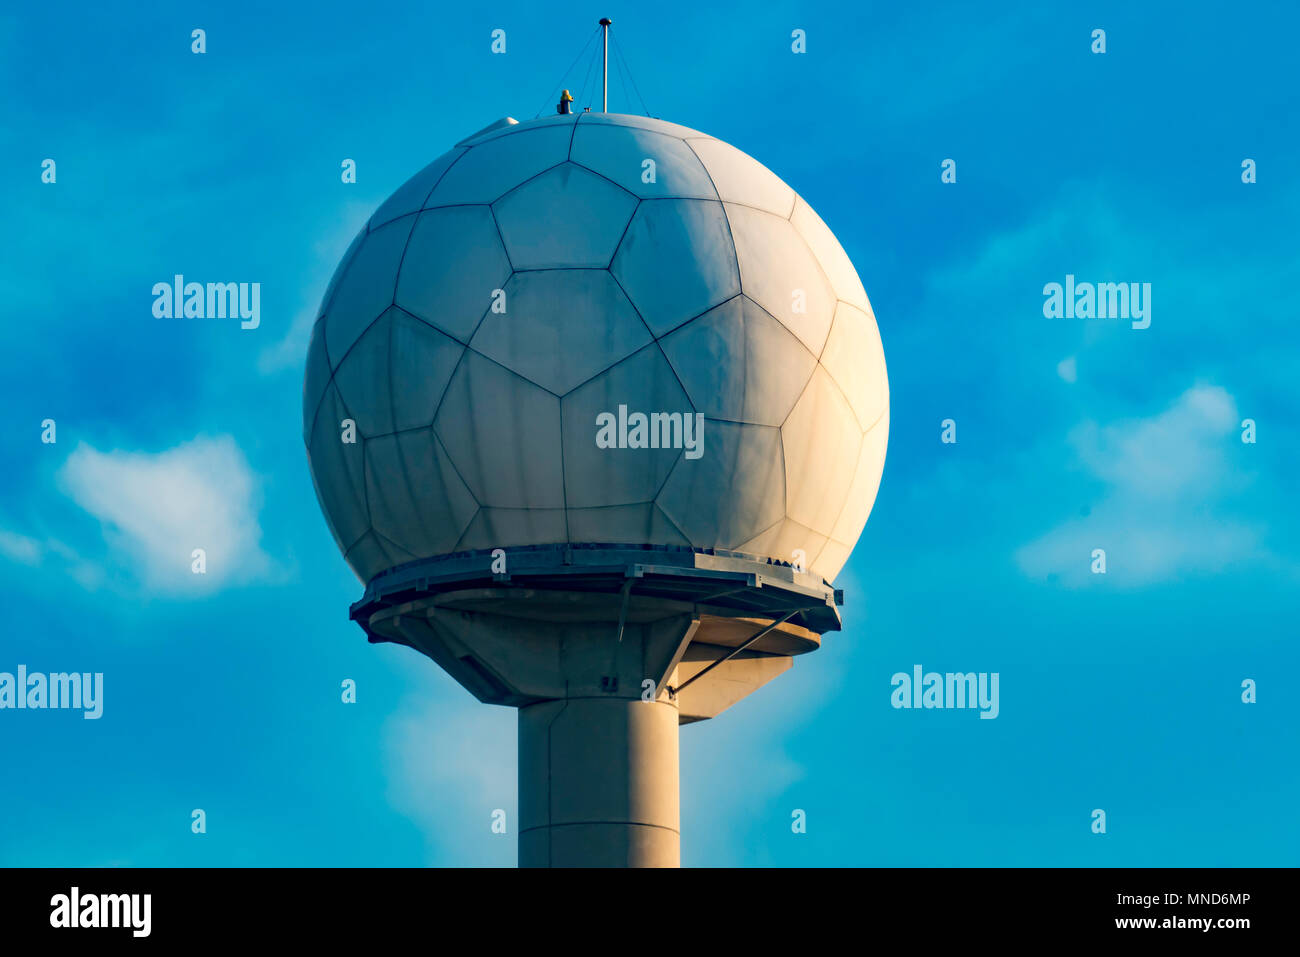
x,y
733,491
495,166
822,440
366,290
856,361
410,196
494,527
620,152
453,264
565,217
417,500
676,261
596,476
338,470
634,524
315,378
739,363
739,178
780,273
834,260
503,435
561,327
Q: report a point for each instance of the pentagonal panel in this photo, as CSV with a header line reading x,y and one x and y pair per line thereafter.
x,y
503,435
495,166
821,439
739,178
834,261
421,362
366,290
453,266
856,361
496,527
733,490
595,475
417,500
739,363
621,154
561,327
340,269
316,377
565,217
676,261
363,379
780,273
410,196
338,469
640,123
635,524
866,482
787,541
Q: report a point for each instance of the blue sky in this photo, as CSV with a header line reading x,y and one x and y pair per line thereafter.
x,y
1120,692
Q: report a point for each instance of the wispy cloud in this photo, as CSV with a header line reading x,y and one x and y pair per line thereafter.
x,y
328,248
1165,510
451,763
156,509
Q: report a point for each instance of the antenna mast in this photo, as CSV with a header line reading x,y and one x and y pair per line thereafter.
x,y
604,66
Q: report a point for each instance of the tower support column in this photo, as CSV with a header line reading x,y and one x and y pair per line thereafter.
x,y
598,783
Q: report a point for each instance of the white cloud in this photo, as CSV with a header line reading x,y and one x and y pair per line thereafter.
x,y
451,762
156,509
1163,512
20,548
1068,369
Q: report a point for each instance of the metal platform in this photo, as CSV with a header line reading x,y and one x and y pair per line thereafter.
x,y
615,583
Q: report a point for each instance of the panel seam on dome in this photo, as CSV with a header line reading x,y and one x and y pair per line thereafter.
x,y
619,245
735,253
840,389
653,342
599,175
524,182
456,468
520,375
441,176
572,135
668,518
687,322
502,239
365,493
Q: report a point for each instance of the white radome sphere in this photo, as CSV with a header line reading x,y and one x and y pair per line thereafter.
x,y
711,288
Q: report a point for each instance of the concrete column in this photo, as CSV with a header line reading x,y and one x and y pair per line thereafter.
x,y
598,783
